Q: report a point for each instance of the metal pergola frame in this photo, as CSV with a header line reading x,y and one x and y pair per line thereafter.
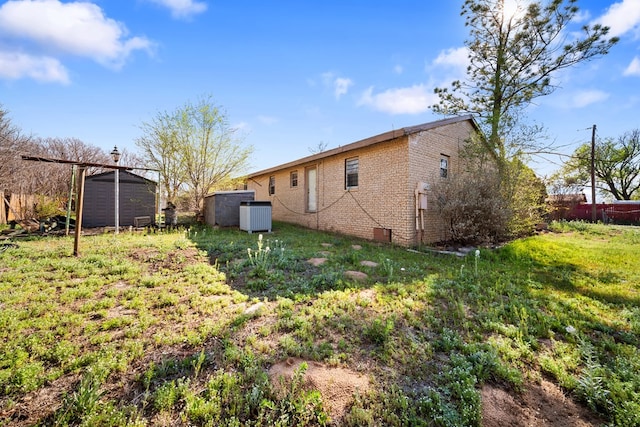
x,y
80,171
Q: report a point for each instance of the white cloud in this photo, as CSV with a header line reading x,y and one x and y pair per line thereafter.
x,y
622,17
584,98
182,8
242,126
409,100
75,28
449,65
582,16
453,62
15,65
454,57
339,85
398,69
267,120
634,68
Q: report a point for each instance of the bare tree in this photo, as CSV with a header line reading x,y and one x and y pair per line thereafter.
x,y
322,146
12,144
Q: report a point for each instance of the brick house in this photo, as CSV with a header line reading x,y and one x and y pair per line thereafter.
x,y
376,188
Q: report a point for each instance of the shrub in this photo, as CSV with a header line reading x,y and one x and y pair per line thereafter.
x,y
472,206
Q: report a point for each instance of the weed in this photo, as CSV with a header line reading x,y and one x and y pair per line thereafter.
x,y
379,331
83,402
197,363
169,394
265,257
591,385
387,268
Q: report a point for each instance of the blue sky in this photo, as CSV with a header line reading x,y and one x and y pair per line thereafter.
x,y
291,74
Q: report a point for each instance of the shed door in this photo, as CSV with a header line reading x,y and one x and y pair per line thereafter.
x,y
312,187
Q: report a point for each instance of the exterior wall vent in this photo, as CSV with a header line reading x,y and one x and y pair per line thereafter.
x,y
382,234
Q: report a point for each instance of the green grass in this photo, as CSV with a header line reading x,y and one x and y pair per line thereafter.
x,y
152,329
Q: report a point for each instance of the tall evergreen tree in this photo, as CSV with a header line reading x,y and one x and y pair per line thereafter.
x,y
515,49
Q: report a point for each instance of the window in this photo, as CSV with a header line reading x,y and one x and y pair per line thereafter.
x,y
444,166
272,185
294,178
351,172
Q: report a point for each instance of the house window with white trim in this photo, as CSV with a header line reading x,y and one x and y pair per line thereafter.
x,y
294,179
351,167
272,185
444,166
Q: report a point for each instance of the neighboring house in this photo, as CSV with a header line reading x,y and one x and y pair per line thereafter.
x,y
137,198
377,188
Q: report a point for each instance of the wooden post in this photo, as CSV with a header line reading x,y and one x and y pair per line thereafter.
x,y
79,202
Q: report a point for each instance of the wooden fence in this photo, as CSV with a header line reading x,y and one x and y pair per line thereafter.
x,y
15,207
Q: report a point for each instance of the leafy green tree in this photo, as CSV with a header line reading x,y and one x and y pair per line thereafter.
x,y
616,166
194,148
515,49
213,154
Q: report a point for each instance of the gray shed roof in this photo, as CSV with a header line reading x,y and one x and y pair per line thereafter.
x,y
383,137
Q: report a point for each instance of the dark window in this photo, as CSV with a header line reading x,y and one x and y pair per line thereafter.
x,y
351,172
294,178
444,166
272,185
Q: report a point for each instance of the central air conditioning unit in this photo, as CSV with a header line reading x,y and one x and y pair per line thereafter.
x,y
255,215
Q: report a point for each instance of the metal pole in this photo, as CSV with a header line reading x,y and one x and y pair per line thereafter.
x,y
115,155
73,182
593,174
117,180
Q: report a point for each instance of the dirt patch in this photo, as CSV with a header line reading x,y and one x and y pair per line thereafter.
x,y
34,406
541,404
174,260
336,385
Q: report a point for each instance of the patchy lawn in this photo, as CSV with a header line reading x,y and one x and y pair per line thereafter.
x,y
217,327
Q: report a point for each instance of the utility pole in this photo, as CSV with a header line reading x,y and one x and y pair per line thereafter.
x,y
593,174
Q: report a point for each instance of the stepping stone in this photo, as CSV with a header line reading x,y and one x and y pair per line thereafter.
x,y
324,253
356,247
327,245
317,261
368,263
358,276
253,309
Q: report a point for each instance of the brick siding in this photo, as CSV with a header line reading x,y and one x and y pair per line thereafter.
x,y
388,174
